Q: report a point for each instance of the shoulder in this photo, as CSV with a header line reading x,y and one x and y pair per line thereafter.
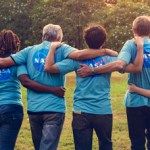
x,y
128,46
129,43
66,46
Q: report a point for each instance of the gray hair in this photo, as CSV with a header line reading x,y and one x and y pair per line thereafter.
x,y
52,32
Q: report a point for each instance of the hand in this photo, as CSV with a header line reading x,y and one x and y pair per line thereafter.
x,y
84,71
111,52
139,41
59,91
55,45
132,88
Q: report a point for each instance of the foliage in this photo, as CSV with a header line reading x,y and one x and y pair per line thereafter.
x,y
118,21
28,17
14,15
71,15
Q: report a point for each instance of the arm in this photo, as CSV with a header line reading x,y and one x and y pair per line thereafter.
x,y
50,63
77,54
119,64
37,87
141,91
63,67
91,53
138,62
6,62
110,67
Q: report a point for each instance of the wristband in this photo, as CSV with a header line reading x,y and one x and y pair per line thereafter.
x,y
93,72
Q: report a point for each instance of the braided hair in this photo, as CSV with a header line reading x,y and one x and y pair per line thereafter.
x,y
9,43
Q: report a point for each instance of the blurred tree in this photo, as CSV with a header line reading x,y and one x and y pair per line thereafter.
x,y
15,15
71,15
28,17
78,15
118,21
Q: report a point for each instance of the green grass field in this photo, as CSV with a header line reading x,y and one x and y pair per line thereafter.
x,y
120,131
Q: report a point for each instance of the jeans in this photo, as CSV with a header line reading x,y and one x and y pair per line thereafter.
x,y
83,125
46,129
11,117
139,127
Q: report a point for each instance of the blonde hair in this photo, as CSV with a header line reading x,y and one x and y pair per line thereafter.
x,y
141,26
52,32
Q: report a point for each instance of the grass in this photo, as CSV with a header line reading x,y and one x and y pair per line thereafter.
x,y
120,131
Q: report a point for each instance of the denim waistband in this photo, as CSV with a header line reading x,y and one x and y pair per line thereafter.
x,y
43,112
10,108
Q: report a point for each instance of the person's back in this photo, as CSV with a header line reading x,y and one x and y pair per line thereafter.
x,y
34,57
138,106
46,111
11,111
92,94
141,79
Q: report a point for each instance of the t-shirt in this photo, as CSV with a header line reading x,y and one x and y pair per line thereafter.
x,y
34,57
142,79
92,94
10,86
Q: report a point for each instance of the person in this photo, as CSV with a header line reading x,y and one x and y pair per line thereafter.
x,y
11,110
46,111
137,106
91,107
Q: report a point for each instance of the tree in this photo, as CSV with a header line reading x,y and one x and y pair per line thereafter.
x,y
72,16
118,21
14,15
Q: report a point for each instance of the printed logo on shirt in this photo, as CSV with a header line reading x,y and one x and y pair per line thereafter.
x,y
5,74
39,59
96,62
146,63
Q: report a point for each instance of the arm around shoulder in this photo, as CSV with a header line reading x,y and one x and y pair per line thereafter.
x,y
6,62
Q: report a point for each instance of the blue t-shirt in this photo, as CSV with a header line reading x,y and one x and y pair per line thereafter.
x,y
142,79
10,86
34,57
92,94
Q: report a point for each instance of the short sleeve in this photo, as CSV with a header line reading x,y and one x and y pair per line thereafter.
x,y
67,65
21,70
111,59
67,50
21,57
125,53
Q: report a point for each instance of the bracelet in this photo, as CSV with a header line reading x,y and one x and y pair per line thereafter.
x,y
93,71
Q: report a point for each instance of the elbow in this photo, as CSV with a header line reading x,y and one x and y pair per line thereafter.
x,y
25,83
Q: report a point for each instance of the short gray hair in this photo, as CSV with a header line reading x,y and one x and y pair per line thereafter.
x,y
52,32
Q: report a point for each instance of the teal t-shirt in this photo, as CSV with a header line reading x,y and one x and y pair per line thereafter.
x,y
10,86
92,94
142,79
34,57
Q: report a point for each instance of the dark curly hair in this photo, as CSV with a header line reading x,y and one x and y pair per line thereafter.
x,y
9,43
95,36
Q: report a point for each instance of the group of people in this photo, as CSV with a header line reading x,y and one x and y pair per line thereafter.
x,y
41,69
